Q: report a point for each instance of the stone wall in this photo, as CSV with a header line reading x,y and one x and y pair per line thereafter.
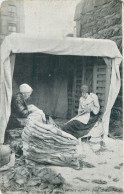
x,y
100,19
103,19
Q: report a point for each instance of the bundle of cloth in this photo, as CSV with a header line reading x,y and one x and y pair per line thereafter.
x,y
47,144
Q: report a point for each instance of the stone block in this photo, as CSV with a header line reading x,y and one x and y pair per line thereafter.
x,y
116,38
88,6
94,31
106,33
100,2
97,36
116,9
88,35
117,31
87,18
101,24
112,20
110,32
96,13
109,5
104,12
89,26
83,31
108,9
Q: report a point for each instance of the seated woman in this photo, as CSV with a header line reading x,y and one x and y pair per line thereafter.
x,y
87,114
19,108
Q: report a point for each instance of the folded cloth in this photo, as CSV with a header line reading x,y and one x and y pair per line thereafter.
x,y
34,110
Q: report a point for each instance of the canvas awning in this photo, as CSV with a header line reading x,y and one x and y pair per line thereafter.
x,y
21,43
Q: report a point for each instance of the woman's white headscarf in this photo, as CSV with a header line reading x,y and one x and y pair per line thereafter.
x,y
25,88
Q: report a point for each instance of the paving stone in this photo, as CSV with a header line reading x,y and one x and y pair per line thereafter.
x,y
115,179
101,2
97,181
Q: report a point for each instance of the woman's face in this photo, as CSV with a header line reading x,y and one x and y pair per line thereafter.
x,y
84,90
26,95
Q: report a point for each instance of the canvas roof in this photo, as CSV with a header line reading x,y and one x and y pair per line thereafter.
x,y
62,46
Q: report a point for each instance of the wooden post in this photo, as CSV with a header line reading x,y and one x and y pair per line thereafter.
x,y
73,92
83,69
94,77
33,69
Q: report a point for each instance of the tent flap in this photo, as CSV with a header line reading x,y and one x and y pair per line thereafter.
x,y
113,90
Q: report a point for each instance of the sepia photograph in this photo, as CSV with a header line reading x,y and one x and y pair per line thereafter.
x,y
61,96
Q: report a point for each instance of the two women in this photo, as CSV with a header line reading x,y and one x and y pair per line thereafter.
x,y
77,126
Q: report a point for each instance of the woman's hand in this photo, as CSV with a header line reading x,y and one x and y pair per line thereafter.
x,y
43,117
31,108
80,111
86,109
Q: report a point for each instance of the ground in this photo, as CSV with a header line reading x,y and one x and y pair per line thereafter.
x,y
102,168
101,171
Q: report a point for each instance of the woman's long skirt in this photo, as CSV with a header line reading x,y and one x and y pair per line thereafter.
x,y
78,129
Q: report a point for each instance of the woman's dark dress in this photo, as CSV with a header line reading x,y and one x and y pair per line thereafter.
x,y
78,129
18,110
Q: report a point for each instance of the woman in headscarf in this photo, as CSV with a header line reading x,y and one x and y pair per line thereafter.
x,y
87,114
19,108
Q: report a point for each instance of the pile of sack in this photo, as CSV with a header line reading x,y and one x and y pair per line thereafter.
x,y
47,144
